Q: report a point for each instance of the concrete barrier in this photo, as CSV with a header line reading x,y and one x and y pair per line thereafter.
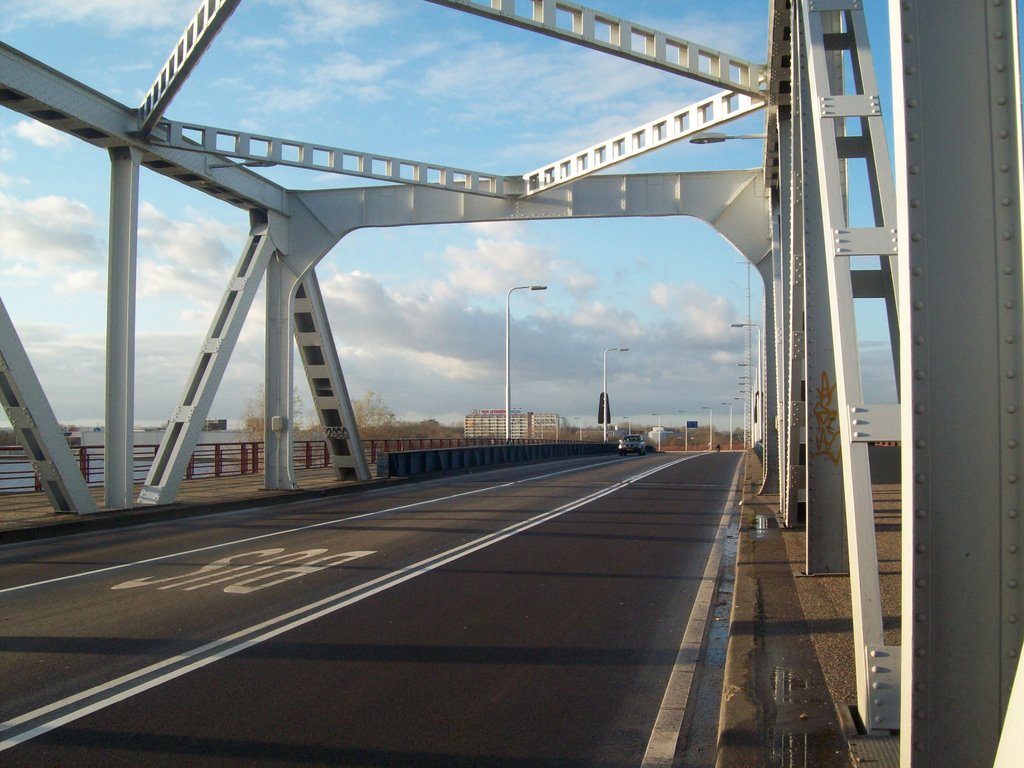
x,y
435,460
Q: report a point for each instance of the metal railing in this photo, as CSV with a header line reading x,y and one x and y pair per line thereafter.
x,y
211,460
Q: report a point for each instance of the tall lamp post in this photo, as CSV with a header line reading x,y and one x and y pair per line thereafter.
x,y
604,389
730,424
711,425
686,432
659,430
756,394
508,384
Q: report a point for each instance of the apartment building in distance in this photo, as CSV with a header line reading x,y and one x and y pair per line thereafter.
x,y
523,425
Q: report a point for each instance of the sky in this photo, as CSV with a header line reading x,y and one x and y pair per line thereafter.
x,y
418,313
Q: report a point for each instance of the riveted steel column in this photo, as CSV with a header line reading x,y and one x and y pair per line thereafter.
x,y
278,422
826,550
769,395
119,418
958,167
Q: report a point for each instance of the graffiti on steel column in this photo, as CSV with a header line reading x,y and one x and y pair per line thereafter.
x,y
251,571
826,420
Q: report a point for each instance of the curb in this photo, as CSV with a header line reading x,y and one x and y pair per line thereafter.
x,y
123,518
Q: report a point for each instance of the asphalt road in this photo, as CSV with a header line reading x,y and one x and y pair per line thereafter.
x,y
518,618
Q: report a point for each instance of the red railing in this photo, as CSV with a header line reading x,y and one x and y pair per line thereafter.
x,y
218,459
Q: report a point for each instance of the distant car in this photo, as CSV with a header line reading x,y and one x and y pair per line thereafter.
x,y
632,444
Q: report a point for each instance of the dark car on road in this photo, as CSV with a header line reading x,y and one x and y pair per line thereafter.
x,y
632,444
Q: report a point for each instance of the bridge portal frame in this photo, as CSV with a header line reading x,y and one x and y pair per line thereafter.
x,y
943,621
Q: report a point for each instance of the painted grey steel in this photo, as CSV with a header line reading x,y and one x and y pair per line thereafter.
x,y
206,22
689,121
824,503
958,318
61,102
319,356
585,26
36,428
768,403
960,227
119,417
278,386
175,451
835,33
261,149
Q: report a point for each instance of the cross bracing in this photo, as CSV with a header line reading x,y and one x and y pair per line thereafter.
x,y
955,188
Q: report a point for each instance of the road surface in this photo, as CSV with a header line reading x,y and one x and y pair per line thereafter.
x,y
519,618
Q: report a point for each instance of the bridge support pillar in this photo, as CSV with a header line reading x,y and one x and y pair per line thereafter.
x,y
278,385
119,417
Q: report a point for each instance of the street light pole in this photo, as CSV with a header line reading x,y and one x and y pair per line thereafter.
x,y
508,383
757,393
711,425
730,424
604,389
659,430
686,432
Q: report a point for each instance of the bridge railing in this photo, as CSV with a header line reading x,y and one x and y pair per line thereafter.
x,y
211,460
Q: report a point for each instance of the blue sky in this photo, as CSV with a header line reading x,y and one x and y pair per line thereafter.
x,y
418,313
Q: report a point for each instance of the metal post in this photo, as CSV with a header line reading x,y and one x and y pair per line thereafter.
x,y
604,389
119,418
508,384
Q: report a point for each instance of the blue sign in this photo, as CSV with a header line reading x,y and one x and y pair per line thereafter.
x,y
691,425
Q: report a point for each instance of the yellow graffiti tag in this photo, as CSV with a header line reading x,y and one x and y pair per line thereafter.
x,y
826,421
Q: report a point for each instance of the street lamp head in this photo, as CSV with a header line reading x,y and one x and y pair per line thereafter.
x,y
538,287
623,349
738,325
714,137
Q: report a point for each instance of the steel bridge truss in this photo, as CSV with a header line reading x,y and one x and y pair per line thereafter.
x,y
951,682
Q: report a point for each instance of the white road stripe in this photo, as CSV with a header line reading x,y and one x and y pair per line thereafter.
x,y
661,748
47,718
294,530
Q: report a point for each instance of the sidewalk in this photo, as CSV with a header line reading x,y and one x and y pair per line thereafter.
x,y
789,677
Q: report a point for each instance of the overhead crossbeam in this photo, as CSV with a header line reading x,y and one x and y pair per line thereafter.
x,y
207,21
261,150
626,39
61,102
719,109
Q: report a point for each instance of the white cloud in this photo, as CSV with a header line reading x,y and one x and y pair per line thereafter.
x,y
187,259
334,19
48,234
40,134
496,263
114,15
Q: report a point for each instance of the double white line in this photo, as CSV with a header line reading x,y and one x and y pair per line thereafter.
x,y
44,719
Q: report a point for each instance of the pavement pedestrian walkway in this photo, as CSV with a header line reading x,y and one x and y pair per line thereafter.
x,y
790,685
789,679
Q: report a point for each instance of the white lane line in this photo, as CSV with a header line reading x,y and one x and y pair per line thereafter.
x,y
661,747
51,716
287,531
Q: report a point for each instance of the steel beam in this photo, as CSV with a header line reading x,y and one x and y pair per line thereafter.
x,y
823,507
278,384
61,102
590,28
175,451
327,382
835,33
689,121
960,228
36,428
119,418
206,22
262,150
